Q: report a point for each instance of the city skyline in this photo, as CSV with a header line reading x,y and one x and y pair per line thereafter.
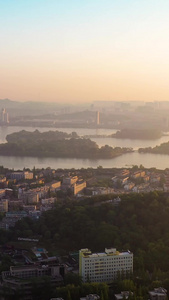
x,y
82,51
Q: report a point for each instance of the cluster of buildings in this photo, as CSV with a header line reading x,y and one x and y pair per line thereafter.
x,y
126,181
30,195
138,181
157,294
35,193
19,277
93,267
24,193
74,184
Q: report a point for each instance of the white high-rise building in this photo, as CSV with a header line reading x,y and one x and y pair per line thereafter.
x,y
4,116
104,267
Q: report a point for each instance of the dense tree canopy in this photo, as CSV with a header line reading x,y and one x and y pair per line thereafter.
x,y
56,144
161,149
140,223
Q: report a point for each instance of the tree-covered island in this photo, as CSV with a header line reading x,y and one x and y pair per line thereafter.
x,y
56,144
161,149
141,134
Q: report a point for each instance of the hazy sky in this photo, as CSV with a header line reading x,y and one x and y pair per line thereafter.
x,y
84,50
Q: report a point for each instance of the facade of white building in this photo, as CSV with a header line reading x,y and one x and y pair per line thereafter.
x,y
104,267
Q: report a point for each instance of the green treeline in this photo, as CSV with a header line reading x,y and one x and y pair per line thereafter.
x,y
140,223
143,134
29,137
56,144
161,149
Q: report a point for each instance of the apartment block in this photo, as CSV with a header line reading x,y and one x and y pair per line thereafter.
x,y
3,205
79,187
28,175
54,186
48,201
70,180
158,294
21,175
2,193
105,266
19,278
138,174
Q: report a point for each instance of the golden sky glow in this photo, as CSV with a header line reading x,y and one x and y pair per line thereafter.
x,y
84,50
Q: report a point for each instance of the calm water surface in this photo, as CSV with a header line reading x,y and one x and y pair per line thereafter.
x,y
4,131
135,144
127,160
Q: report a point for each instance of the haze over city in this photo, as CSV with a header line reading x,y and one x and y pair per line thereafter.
x,y
81,51
84,148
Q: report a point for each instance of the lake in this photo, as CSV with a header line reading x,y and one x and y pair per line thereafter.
x,y
148,160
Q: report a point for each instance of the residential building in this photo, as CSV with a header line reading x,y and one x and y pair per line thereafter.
x,y
158,294
69,180
129,186
141,188
28,175
21,175
29,208
2,193
17,175
14,205
155,178
124,173
124,180
105,266
166,183
146,178
11,218
55,186
16,214
3,182
79,187
123,295
3,205
138,174
101,190
2,179
31,197
19,278
48,201
91,297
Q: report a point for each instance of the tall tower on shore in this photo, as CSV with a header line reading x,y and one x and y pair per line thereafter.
x,y
4,116
97,118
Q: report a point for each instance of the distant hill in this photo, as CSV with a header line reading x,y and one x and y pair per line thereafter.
x,y
141,134
16,108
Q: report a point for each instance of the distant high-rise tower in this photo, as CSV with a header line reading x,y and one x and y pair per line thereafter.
x,y
4,116
97,118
